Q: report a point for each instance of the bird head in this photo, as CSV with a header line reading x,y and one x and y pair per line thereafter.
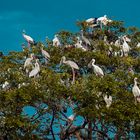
x,y
135,79
24,32
105,16
93,60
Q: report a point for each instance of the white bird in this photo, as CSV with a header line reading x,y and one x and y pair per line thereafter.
x,y
97,70
90,20
103,20
22,84
45,53
118,42
28,62
108,100
5,85
85,39
125,47
136,90
79,44
70,63
28,39
56,41
36,70
138,45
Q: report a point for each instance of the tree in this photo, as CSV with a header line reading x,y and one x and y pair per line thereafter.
x,y
52,96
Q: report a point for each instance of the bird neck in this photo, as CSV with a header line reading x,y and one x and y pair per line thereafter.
x,y
135,82
93,63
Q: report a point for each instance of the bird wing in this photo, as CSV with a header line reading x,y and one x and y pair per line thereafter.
x,y
90,20
136,91
125,47
98,70
45,53
28,38
86,40
73,64
110,98
34,72
27,62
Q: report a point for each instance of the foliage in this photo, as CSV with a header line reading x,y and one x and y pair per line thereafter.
x,y
51,94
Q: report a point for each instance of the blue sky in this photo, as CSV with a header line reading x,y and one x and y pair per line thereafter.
x,y
41,18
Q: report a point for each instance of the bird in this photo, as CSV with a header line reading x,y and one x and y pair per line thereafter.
x,y
28,38
70,63
136,90
85,39
138,45
125,47
108,100
90,20
36,69
56,41
45,53
28,62
103,20
6,85
97,70
79,44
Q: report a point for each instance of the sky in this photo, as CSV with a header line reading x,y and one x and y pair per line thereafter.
x,y
41,18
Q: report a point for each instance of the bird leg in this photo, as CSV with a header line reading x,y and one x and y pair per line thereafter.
x,y
135,100
73,75
29,45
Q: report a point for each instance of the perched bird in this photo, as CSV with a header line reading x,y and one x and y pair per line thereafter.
x,y
108,100
90,20
136,90
70,63
28,39
97,70
103,20
56,41
45,53
6,85
85,39
28,62
138,45
36,69
125,47
79,44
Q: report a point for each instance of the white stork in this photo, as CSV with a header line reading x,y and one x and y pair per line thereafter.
x,y
28,39
70,63
136,91
97,70
56,41
36,70
108,100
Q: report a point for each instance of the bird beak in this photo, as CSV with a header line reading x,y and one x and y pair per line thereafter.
x,y
60,63
89,64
